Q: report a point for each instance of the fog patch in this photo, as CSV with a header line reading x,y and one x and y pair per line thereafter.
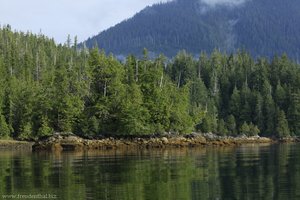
x,y
231,37
223,2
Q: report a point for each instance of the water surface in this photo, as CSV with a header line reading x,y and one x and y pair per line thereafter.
x,y
246,172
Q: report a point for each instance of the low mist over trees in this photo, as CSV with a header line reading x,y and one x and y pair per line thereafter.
x,y
46,87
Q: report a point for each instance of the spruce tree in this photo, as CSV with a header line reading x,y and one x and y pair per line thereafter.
x,y
4,129
231,125
254,130
222,130
294,113
245,129
282,127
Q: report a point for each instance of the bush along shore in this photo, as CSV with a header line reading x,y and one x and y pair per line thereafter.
x,y
71,142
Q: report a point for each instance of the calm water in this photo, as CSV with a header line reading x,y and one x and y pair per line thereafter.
x,y
247,172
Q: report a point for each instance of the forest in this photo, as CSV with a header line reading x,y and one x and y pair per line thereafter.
x,y
47,87
262,27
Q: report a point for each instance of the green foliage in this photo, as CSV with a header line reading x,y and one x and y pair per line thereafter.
x,y
254,130
294,113
47,88
209,124
235,103
133,117
45,129
180,119
249,129
245,129
25,132
4,129
222,129
269,115
280,96
231,125
282,127
67,105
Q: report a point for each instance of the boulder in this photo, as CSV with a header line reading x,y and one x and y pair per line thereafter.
x,y
164,140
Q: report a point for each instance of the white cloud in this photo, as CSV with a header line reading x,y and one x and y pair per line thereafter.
x,y
58,18
228,2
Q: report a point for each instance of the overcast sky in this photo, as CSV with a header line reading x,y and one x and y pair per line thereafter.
x,y
58,18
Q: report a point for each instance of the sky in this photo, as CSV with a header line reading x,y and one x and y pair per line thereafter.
x,y
81,18
58,18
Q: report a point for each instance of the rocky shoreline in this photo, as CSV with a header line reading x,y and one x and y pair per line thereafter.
x,y
63,142
15,145
71,142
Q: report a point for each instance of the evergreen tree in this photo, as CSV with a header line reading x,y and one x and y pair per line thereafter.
x,y
45,129
180,120
67,104
134,118
282,127
294,113
47,87
231,125
269,115
235,104
244,129
198,93
7,105
254,130
222,130
280,96
26,132
258,112
4,129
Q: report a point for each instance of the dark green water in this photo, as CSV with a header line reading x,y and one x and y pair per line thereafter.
x,y
247,172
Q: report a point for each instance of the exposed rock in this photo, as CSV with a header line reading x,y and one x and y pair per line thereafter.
x,y
71,142
15,145
164,140
60,142
210,136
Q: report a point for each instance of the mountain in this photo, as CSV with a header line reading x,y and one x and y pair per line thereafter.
x,y
262,27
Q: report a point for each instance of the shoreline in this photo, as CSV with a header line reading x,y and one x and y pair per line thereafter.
x,y
15,145
71,142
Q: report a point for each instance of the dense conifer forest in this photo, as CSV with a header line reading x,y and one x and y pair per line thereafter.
x,y
46,88
263,27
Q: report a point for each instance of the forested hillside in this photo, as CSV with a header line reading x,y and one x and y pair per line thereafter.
x,y
46,87
261,27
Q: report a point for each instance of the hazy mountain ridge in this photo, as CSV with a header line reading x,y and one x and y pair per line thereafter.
x,y
262,27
